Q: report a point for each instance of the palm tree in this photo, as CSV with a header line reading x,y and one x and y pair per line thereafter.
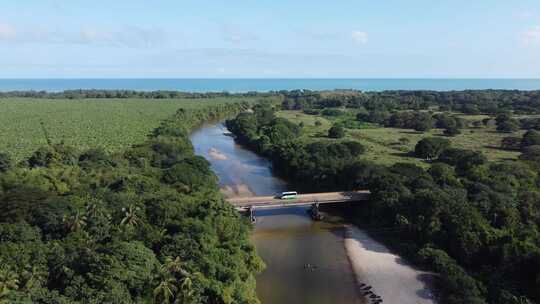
x,y
130,216
9,281
75,222
174,266
187,286
165,291
186,292
33,276
93,210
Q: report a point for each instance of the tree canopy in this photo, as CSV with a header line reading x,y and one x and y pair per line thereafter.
x,y
144,226
472,221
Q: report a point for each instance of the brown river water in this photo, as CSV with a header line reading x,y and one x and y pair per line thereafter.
x,y
287,239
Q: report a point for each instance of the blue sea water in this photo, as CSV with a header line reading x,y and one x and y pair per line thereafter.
x,y
262,85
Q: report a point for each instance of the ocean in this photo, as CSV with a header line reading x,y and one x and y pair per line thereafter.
x,y
263,85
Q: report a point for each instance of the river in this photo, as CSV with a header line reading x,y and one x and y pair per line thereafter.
x,y
288,239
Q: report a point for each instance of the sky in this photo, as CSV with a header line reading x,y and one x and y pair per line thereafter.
x,y
269,39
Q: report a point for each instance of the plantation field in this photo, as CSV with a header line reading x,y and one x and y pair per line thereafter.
x,y
391,145
112,124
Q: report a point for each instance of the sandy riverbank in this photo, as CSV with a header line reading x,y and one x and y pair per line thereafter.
x,y
389,275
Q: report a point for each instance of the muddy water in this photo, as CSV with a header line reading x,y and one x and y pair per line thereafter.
x,y
287,239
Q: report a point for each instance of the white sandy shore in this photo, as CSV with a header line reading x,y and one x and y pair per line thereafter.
x,y
389,275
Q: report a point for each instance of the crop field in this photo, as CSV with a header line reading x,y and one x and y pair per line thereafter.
x,y
391,145
112,124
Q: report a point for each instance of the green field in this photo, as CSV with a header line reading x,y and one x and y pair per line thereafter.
x,y
390,145
112,124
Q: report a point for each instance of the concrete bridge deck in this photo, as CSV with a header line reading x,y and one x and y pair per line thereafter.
x,y
300,200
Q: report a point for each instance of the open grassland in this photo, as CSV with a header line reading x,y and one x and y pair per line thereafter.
x,y
112,124
391,145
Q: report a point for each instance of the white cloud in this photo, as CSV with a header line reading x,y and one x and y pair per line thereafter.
x,y
237,34
7,31
359,37
126,37
527,15
324,36
531,36
131,37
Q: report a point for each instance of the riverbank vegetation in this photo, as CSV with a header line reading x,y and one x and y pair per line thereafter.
x,y
144,225
472,219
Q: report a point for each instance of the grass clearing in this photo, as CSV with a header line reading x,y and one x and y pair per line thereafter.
x,y
112,124
391,145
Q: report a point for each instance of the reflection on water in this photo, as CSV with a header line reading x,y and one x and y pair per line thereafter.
x,y
286,239
235,166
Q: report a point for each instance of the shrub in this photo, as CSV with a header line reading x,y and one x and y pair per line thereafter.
x,y
531,138
456,285
462,159
5,162
431,147
95,157
332,112
312,112
508,126
43,157
505,123
452,131
354,147
511,143
336,131
531,153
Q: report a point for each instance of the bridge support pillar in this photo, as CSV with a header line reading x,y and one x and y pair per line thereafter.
x,y
251,214
315,214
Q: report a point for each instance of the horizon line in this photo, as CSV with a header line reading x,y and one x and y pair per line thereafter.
x,y
270,78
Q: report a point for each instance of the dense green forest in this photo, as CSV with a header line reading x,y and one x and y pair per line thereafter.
x,y
469,101
474,222
147,225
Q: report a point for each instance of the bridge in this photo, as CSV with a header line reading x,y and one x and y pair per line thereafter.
x,y
244,203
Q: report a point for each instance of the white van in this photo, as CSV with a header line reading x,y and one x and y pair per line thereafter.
x,y
288,195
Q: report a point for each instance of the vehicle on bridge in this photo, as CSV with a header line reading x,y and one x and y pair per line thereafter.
x,y
293,199
289,195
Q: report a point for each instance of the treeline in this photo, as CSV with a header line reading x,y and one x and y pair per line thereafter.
x,y
425,120
528,144
80,94
469,101
144,226
474,222
418,120
315,165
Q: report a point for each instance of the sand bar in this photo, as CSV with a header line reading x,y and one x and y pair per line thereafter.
x,y
389,275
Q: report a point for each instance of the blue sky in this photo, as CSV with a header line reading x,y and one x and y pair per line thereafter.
x,y
269,39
